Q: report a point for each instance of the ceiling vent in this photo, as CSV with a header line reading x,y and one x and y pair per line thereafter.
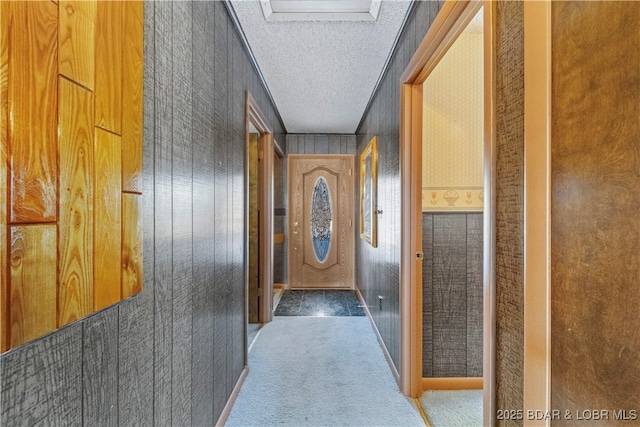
x,y
320,10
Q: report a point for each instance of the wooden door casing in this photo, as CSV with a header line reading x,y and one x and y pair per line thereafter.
x,y
305,269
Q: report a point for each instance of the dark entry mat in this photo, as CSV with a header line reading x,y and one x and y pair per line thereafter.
x,y
319,303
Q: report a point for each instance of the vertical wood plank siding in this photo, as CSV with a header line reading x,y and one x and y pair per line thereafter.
x,y
172,353
32,98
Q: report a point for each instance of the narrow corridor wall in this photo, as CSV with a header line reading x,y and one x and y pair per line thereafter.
x,y
171,355
378,269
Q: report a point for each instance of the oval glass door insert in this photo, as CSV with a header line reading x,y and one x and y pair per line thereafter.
x,y
321,219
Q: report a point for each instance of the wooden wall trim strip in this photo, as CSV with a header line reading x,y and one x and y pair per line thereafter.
x,y
232,399
537,224
489,218
452,383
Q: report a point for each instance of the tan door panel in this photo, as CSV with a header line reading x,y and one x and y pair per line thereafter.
x,y
330,265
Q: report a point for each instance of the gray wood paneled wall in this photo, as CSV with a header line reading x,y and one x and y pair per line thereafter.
x,y
298,143
378,269
452,294
171,355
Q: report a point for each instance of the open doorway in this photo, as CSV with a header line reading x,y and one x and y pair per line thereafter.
x,y
259,219
447,268
254,233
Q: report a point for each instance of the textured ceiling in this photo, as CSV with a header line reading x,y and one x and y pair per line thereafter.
x,y
321,74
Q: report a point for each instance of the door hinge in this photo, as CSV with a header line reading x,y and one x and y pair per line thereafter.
x,y
350,172
350,223
419,255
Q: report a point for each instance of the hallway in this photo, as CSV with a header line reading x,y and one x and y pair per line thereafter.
x,y
320,371
562,288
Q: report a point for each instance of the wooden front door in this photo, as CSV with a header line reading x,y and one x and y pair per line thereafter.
x,y
321,233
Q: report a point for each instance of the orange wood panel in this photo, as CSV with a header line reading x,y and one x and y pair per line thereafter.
x,y
108,50
32,92
4,118
107,219
75,298
76,41
131,245
132,87
33,282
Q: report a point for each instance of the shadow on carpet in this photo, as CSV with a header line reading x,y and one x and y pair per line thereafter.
x,y
320,371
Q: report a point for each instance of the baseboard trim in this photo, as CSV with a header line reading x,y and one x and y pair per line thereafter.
x,y
232,399
452,383
387,356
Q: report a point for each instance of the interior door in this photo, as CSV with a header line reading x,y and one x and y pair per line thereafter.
x,y
321,233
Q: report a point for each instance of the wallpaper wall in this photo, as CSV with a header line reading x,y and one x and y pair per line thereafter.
x,y
453,128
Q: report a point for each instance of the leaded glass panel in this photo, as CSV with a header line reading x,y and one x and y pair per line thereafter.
x,y
321,214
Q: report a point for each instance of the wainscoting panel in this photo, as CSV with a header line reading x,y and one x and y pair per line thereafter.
x,y
452,294
475,294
